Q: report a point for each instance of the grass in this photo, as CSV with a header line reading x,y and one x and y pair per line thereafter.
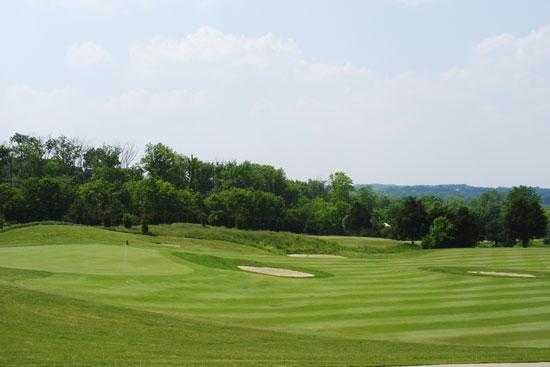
x,y
276,242
75,295
370,245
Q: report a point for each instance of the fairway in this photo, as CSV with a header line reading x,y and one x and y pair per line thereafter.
x,y
171,299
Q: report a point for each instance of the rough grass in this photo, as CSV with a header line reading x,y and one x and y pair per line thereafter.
x,y
277,242
370,245
183,304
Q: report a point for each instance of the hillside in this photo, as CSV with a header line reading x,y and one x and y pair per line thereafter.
x,y
446,191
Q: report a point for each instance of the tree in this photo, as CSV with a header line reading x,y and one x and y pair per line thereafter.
x,y
340,187
489,211
96,202
245,209
163,163
251,176
412,220
158,201
8,198
27,156
65,153
435,207
47,198
6,162
359,218
524,217
128,154
324,217
442,234
466,225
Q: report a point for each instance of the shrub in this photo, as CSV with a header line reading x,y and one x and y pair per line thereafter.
x,y
547,240
2,223
442,234
128,220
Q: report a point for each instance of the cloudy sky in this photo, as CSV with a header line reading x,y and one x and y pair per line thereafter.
x,y
392,91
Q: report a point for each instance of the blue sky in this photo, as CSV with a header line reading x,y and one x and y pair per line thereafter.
x,y
395,91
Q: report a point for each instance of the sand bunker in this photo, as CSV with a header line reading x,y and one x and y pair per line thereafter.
x,y
500,274
276,272
317,256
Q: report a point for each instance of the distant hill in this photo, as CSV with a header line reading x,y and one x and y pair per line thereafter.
x,y
446,191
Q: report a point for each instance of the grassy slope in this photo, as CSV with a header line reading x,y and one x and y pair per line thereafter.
x,y
276,242
385,309
369,245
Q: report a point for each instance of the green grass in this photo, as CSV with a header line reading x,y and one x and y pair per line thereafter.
x,y
370,245
75,295
276,242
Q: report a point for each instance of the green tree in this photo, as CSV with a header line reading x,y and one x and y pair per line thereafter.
x,y
524,217
96,202
324,217
47,198
6,162
27,153
8,199
359,218
466,225
163,163
245,209
442,234
340,187
411,221
489,210
65,155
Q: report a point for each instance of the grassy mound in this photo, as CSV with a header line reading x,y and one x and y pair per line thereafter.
x,y
370,245
277,242
44,234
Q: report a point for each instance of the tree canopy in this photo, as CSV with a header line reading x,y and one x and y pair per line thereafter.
x,y
60,178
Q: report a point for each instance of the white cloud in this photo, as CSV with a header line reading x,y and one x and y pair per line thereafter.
x,y
222,55
211,46
228,96
88,55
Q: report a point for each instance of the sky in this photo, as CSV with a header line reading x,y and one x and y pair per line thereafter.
x,y
388,91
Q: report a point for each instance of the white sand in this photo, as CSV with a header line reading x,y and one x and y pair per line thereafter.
x,y
276,272
500,274
317,256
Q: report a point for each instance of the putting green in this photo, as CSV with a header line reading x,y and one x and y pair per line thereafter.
x,y
90,259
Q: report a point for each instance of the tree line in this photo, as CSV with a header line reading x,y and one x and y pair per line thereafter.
x,y
60,178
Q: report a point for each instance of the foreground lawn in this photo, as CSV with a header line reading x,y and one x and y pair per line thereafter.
x,y
80,295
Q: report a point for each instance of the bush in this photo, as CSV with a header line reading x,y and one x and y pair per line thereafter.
x,y
442,234
2,223
128,220
547,240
